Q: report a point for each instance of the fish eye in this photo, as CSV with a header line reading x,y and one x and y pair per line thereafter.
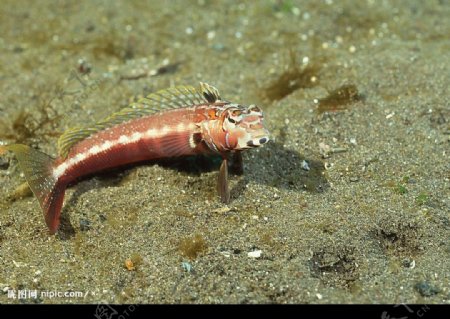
x,y
231,120
254,108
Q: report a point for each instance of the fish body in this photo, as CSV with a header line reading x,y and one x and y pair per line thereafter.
x,y
162,135
175,122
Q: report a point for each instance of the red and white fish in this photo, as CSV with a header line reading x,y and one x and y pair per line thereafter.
x,y
178,121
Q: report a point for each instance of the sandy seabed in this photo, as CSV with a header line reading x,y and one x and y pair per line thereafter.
x,y
348,203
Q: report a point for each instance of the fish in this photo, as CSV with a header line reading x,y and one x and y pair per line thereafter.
x,y
170,123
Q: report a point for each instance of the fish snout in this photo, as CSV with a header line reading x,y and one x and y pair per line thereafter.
x,y
258,141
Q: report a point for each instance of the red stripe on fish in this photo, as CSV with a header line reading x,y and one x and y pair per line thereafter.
x,y
152,137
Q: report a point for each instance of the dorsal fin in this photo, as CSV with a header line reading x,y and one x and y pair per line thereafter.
x,y
210,93
171,98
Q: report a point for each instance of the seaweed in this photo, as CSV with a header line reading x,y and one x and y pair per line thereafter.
x,y
21,191
295,77
339,99
399,236
422,199
26,127
284,6
103,45
191,247
335,266
400,189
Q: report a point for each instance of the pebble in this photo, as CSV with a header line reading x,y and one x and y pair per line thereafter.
x,y
254,254
426,289
129,265
305,166
218,46
211,35
411,264
186,266
324,150
19,264
85,224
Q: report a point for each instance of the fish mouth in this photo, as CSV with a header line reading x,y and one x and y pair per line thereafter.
x,y
258,141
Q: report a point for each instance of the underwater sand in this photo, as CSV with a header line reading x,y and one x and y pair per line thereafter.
x,y
348,203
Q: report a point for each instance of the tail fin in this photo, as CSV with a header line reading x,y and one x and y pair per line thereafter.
x,y
37,168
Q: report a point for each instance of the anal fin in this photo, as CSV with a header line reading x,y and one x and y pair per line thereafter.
x,y
222,184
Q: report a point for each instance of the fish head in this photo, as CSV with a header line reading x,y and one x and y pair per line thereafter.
x,y
238,128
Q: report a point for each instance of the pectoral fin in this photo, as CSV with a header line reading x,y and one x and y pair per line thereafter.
x,y
222,185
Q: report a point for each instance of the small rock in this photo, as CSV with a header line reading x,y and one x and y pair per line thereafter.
x,y
324,150
211,35
85,224
129,265
426,289
255,254
390,115
218,46
83,66
186,266
19,264
305,166
411,264
354,179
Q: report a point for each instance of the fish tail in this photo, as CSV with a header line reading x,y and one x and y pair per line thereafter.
x,y
38,170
